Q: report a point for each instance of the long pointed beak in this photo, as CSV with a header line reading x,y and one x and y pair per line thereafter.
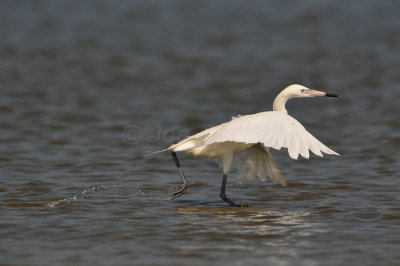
x,y
330,95
314,93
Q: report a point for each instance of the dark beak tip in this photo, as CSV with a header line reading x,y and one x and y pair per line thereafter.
x,y
331,95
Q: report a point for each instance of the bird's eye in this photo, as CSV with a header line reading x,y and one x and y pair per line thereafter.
x,y
302,91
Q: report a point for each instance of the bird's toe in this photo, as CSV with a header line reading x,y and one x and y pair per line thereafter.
x,y
178,191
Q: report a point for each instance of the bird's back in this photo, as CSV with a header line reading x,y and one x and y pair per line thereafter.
x,y
273,129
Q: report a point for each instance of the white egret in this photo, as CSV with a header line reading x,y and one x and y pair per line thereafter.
x,y
249,137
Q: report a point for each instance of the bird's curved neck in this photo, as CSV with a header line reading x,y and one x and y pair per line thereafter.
x,y
279,103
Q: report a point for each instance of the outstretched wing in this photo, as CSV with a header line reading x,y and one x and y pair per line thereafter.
x,y
273,129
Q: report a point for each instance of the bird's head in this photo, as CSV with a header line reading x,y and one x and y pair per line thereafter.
x,y
296,91
299,91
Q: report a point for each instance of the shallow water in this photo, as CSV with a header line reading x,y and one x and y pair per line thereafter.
x,y
88,88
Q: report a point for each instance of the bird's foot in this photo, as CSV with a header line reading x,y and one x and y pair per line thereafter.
x,y
230,202
243,204
178,191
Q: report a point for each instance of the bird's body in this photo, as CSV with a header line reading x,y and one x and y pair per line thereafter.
x,y
250,136
274,129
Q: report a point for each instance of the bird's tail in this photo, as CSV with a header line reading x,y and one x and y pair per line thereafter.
x,y
257,162
152,153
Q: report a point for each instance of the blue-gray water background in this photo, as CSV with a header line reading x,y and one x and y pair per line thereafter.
x,y
88,87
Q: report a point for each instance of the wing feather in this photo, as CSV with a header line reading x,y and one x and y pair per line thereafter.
x,y
273,129
313,145
275,137
303,145
294,146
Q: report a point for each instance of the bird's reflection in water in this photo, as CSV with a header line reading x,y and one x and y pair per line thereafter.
x,y
273,224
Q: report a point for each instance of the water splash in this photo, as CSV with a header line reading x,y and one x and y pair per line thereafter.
x,y
114,191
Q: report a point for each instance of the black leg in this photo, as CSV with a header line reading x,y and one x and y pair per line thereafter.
x,y
180,189
222,194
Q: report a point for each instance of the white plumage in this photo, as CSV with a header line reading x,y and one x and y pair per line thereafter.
x,y
250,136
273,129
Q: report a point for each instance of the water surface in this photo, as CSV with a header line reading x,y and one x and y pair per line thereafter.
x,y
88,88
